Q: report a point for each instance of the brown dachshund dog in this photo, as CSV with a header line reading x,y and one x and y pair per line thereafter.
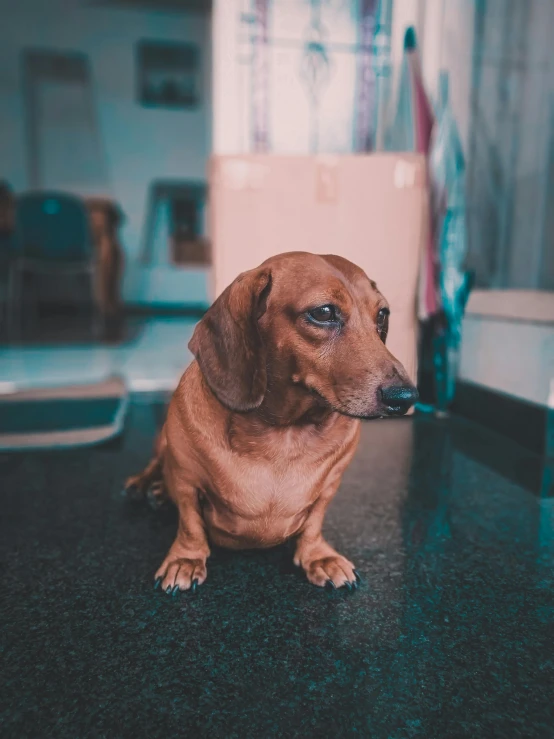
x,y
266,420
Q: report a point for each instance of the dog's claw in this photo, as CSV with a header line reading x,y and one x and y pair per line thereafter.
x,y
354,585
168,589
175,591
348,586
131,492
157,583
357,576
330,585
194,586
154,501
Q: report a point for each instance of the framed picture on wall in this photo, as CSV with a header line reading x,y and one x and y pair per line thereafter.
x,y
168,74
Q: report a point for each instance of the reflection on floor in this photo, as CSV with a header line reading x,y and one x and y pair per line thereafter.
x,y
153,359
450,636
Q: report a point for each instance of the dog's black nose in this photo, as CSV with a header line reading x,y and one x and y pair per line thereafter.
x,y
398,399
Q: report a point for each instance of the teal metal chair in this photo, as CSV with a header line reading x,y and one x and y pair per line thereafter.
x,y
52,238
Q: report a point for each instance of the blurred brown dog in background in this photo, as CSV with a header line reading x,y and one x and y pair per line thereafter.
x,y
266,420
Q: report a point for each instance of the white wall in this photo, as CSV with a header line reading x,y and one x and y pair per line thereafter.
x,y
295,123
141,144
508,343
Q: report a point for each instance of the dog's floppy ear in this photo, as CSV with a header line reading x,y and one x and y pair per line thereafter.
x,y
228,346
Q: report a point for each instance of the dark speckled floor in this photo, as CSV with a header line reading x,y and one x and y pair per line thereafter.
x,y
451,635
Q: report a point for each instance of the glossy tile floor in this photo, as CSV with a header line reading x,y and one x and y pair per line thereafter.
x,y
450,636
137,360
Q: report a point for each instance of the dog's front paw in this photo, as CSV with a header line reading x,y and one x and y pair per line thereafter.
x,y
180,574
332,571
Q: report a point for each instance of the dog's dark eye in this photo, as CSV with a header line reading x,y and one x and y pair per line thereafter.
x,y
383,324
326,314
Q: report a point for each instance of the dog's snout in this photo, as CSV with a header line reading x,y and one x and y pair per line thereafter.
x,y
398,399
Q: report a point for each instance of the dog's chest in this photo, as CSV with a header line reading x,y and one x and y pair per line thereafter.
x,y
258,487
278,478
279,487
259,505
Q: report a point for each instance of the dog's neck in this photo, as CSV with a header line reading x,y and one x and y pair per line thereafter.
x,y
284,404
286,424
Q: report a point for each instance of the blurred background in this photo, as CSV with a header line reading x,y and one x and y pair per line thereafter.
x,y
152,150
117,105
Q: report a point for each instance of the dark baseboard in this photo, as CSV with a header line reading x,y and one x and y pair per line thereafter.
x,y
511,460
169,310
523,422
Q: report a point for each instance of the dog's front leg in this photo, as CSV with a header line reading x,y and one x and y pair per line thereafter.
x,y
321,563
185,564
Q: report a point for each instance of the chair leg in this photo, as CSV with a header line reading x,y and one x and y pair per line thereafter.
x,y
14,297
33,309
98,323
4,304
4,312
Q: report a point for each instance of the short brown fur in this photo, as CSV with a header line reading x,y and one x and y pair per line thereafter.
x,y
266,419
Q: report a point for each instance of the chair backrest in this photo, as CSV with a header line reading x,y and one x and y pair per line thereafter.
x,y
52,227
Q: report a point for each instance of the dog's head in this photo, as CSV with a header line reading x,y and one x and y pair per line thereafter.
x,y
313,323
